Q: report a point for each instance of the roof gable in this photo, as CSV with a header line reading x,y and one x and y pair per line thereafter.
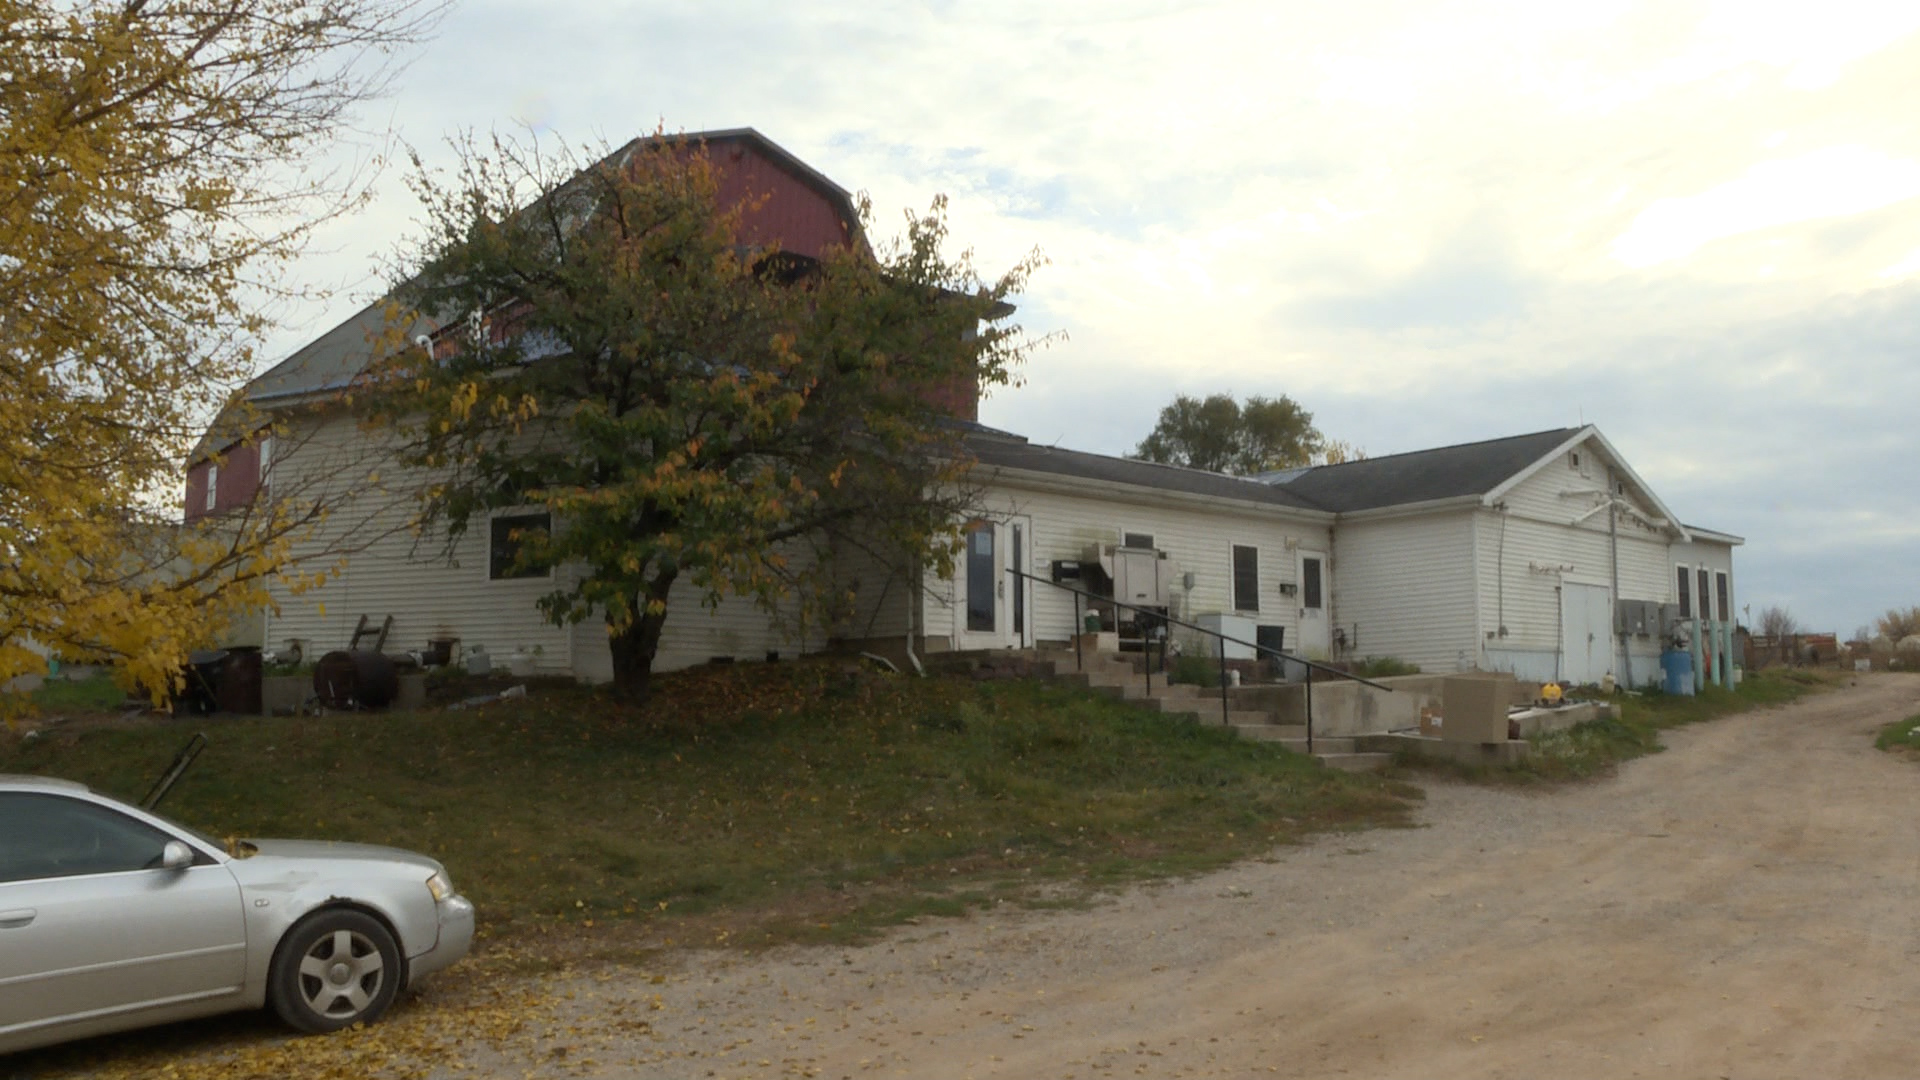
x,y
1449,472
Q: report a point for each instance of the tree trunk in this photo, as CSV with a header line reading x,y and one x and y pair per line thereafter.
x,y
635,647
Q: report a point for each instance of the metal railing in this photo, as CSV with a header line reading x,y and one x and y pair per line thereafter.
x,y
1223,640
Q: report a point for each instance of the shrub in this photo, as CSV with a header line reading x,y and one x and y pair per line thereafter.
x,y
1382,667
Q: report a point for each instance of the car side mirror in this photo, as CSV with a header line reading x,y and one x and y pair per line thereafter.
x,y
175,856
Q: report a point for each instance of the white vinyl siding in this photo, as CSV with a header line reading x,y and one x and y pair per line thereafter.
x,y
1551,539
1066,525
434,593
1404,587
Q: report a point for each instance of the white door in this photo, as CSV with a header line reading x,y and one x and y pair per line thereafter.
x,y
1316,636
1586,633
995,608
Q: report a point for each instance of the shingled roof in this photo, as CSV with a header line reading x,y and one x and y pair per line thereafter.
x,y
1421,476
997,449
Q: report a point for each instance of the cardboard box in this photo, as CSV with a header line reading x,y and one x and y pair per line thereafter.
x,y
1475,706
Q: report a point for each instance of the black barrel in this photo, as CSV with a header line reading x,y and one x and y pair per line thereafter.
x,y
355,680
202,693
239,687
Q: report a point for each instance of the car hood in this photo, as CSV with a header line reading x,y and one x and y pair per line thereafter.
x,y
322,852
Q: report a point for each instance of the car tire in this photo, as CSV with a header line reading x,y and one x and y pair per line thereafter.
x,y
333,970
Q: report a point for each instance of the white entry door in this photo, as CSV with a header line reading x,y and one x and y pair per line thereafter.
x,y
1586,633
1316,634
995,608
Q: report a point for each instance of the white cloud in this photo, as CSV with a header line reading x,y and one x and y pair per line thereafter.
x,y
1833,182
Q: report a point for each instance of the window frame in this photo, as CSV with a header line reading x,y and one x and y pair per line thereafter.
x,y
495,566
1239,589
1314,598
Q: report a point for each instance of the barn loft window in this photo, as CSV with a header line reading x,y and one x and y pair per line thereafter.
x,y
506,536
213,484
1246,578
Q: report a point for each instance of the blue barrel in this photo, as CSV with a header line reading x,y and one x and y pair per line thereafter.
x,y
1677,666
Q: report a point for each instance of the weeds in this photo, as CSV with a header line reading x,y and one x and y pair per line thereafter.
x,y
1901,735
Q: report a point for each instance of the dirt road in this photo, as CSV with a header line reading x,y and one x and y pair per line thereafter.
x,y
1741,906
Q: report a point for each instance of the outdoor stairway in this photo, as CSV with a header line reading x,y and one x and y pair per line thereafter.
x,y
1115,677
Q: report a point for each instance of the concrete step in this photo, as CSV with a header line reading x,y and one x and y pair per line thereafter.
x,y
1321,746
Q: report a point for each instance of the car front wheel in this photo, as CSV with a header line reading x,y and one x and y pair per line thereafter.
x,y
336,969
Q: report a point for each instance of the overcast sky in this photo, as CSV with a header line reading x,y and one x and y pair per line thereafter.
x,y
1694,225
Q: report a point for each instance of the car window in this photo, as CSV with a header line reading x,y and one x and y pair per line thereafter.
x,y
46,836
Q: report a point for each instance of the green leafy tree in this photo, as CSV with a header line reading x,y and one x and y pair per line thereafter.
x,y
1222,435
684,406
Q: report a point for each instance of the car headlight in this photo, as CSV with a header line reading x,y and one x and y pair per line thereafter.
x,y
441,886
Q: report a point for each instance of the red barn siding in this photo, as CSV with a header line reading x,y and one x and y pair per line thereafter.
x,y
239,479
784,209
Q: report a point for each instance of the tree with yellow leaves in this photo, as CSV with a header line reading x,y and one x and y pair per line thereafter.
x,y
150,179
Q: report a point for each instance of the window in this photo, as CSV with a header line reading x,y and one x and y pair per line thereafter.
x,y
1136,540
213,483
1684,591
981,616
1246,578
266,457
1721,597
1310,583
1019,584
508,534
1706,605
51,836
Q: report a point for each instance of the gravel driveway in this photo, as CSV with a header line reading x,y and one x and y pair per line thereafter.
x,y
1739,906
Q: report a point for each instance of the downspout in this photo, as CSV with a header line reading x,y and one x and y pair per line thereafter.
x,y
913,598
1613,617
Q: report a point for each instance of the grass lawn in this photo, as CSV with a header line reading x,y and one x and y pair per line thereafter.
x,y
92,694
1593,749
748,804
1901,735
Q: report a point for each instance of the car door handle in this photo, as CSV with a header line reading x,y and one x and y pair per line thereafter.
x,y
13,920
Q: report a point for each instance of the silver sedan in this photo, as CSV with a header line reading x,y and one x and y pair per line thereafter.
x,y
114,918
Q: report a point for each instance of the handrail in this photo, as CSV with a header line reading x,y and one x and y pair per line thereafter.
x,y
1223,638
